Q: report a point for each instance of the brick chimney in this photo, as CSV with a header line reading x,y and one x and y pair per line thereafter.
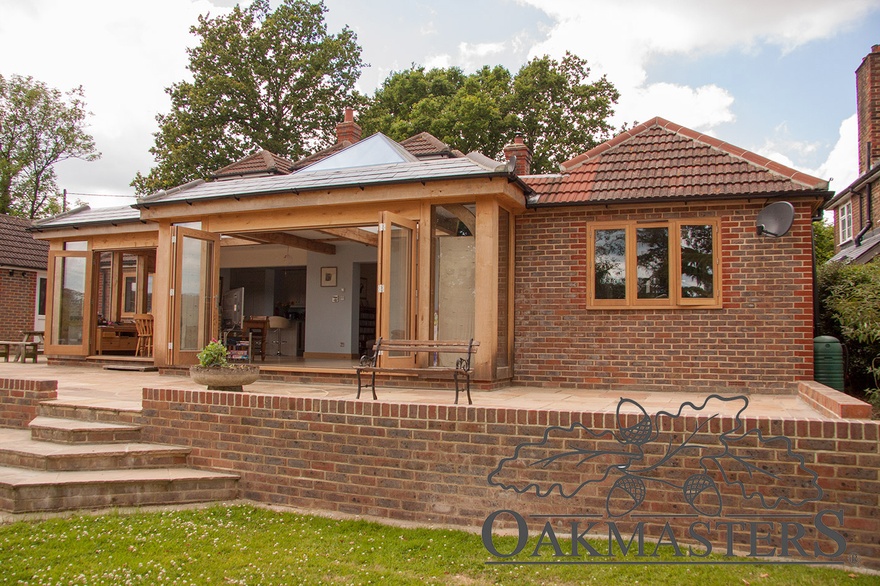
x,y
868,108
522,153
348,129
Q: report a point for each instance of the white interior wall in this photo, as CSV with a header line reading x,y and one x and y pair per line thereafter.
x,y
330,311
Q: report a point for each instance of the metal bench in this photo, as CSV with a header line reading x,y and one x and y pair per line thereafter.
x,y
460,372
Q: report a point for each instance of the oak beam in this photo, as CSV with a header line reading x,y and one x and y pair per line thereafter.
x,y
294,242
355,234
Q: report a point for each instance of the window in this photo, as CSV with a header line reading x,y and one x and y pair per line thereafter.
x,y
845,222
659,264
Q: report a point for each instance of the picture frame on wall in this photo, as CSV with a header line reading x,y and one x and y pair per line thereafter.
x,y
328,276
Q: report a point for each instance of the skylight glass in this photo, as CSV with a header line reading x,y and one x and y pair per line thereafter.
x,y
375,150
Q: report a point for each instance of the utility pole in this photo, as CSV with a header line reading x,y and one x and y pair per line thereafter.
x,y
64,201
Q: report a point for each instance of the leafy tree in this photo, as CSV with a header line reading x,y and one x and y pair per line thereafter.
x,y
559,113
823,242
849,309
274,79
39,127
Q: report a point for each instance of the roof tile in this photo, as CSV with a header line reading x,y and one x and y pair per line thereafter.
x,y
661,159
18,247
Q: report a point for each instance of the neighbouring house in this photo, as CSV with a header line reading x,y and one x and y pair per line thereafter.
x,y
22,278
638,265
856,235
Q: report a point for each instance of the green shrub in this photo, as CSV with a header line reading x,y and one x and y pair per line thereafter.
x,y
214,354
849,309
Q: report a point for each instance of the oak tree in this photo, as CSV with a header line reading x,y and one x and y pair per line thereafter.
x,y
266,78
552,103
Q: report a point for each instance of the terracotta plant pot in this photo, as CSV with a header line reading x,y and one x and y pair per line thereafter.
x,y
225,378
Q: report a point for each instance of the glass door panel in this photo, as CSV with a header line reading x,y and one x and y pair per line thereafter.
x,y
397,272
196,273
70,275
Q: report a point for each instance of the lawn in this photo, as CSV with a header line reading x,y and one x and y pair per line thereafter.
x,y
243,544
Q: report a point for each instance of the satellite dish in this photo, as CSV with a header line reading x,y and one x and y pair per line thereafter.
x,y
775,219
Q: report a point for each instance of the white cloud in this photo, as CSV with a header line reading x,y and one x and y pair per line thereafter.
x,y
700,108
438,61
123,59
619,39
842,164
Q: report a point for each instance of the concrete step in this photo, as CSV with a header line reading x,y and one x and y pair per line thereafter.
x,y
23,491
55,429
18,449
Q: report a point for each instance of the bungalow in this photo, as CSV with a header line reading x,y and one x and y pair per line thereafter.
x,y
638,265
856,237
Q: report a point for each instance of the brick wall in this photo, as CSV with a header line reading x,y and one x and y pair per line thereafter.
x,y
430,463
19,296
19,400
868,107
761,341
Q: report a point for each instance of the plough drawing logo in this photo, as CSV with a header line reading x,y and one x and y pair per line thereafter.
x,y
686,453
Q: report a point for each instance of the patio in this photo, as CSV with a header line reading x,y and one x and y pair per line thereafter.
x,y
96,387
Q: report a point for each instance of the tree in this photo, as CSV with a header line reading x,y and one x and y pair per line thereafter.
x,y
39,127
823,242
261,78
550,102
849,309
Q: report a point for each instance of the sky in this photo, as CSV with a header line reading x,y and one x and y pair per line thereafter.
x,y
772,76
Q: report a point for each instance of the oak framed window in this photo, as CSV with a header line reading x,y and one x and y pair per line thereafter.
x,y
674,263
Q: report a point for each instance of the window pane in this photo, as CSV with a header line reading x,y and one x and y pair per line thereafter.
x,y
697,267
69,296
610,275
652,248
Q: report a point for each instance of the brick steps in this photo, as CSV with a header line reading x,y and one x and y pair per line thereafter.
x,y
89,456
18,449
26,491
54,429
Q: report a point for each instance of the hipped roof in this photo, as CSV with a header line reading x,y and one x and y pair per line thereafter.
x,y
18,248
660,160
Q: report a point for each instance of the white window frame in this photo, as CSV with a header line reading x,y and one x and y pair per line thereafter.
x,y
845,222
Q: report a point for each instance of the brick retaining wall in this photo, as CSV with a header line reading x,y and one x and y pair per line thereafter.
x,y
430,463
19,400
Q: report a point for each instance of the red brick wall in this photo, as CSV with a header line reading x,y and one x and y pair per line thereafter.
x,y
430,463
868,107
18,293
19,400
761,341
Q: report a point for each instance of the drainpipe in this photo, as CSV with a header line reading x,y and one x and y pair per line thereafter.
x,y
870,224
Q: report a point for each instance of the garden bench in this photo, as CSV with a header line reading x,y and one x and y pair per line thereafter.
x,y
461,371
22,350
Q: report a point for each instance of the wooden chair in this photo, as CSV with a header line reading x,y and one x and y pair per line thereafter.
x,y
144,324
258,328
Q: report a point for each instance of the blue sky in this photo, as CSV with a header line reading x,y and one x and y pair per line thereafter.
x,y
772,76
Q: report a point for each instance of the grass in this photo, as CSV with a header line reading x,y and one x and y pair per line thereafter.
x,y
242,544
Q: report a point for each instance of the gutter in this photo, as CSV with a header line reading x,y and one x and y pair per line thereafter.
x,y
532,203
154,200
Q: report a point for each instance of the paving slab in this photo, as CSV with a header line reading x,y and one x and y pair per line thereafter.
x,y
91,386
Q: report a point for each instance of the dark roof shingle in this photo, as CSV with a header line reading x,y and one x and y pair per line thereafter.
x,y
18,247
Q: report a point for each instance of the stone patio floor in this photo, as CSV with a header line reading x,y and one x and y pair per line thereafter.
x,y
91,386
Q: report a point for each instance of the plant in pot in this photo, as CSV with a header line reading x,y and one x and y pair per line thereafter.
x,y
217,374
